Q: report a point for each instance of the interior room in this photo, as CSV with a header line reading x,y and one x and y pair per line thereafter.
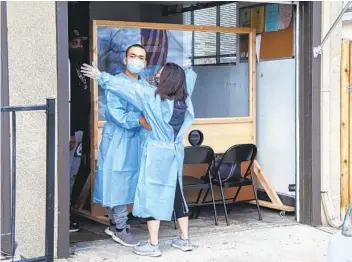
x,y
246,90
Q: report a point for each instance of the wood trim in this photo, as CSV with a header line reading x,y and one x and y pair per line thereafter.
x,y
252,81
207,121
96,209
350,125
162,26
275,201
344,126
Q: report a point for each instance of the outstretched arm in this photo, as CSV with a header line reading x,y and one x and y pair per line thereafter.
x,y
128,89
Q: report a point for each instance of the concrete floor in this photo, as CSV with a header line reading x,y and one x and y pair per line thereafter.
x,y
247,239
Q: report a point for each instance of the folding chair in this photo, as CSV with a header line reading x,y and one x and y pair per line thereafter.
x,y
199,155
227,173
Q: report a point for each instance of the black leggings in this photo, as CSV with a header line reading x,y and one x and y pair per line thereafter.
x,y
179,204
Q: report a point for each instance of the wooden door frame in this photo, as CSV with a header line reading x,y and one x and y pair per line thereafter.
x,y
96,209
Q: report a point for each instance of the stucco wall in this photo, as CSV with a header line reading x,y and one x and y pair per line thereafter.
x,y
32,79
330,109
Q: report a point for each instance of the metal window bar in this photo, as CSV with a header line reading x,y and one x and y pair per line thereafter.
x,y
49,108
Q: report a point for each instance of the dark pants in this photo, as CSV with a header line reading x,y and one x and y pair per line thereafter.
x,y
179,204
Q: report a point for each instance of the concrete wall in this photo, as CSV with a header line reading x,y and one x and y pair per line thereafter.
x,y
330,105
32,79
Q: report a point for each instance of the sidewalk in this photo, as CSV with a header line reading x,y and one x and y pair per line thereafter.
x,y
246,239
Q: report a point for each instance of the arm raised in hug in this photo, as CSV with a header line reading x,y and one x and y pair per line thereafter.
x,y
128,89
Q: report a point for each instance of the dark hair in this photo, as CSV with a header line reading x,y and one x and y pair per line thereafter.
x,y
136,45
172,83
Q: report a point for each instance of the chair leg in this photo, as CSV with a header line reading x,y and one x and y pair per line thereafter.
x,y
175,220
256,201
224,202
235,197
197,208
212,198
205,197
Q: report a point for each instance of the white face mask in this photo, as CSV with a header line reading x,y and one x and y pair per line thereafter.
x,y
135,65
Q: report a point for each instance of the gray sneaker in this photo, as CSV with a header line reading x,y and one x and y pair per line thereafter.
x,y
124,237
147,250
184,245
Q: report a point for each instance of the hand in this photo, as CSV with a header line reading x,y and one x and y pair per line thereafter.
x,y
90,71
72,142
143,122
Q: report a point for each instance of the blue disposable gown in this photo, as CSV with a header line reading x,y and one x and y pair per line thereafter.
x,y
119,151
162,155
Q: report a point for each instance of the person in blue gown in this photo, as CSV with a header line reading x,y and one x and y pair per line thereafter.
x,y
118,156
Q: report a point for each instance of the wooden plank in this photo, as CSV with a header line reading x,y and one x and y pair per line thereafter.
x,y
350,125
96,209
274,206
207,121
178,27
266,184
344,127
252,84
87,214
84,194
221,136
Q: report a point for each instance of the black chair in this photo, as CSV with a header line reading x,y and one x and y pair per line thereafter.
x,y
199,155
227,173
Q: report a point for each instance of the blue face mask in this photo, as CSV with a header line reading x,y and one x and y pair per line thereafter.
x,y
135,65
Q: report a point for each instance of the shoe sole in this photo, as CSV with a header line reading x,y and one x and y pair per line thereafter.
x,y
158,254
120,241
74,230
109,232
181,248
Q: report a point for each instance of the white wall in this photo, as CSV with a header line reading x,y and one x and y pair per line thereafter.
x,y
330,105
276,122
32,78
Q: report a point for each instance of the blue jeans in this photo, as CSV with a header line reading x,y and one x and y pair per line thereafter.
x,y
118,215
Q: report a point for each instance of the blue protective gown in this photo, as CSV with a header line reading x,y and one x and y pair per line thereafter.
x,y
119,151
162,154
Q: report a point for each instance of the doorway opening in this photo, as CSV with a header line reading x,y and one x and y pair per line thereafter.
x,y
221,60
